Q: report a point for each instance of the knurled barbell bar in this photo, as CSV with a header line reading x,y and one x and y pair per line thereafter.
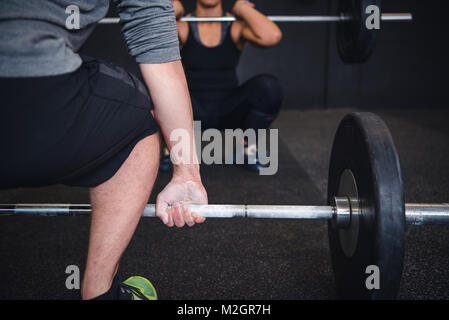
x,y
340,213
366,211
355,42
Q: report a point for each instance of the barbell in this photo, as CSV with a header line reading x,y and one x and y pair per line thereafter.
x,y
355,42
415,213
290,18
366,211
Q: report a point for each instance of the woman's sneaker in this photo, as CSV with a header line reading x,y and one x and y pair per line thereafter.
x,y
165,164
250,159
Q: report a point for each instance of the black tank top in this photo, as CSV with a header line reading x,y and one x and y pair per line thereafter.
x,y
210,69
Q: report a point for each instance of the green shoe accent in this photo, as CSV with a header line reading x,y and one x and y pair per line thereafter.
x,y
143,285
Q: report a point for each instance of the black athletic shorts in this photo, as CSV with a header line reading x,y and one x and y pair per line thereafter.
x,y
75,129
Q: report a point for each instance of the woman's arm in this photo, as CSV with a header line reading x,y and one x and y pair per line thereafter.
x,y
183,27
257,28
178,8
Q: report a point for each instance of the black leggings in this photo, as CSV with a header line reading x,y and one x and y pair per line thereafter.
x,y
253,105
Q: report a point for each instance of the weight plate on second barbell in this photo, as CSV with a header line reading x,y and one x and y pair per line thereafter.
x,y
355,42
364,166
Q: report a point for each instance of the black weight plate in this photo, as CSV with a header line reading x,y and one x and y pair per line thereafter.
x,y
364,148
355,42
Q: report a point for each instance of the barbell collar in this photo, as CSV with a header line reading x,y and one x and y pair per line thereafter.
x,y
343,211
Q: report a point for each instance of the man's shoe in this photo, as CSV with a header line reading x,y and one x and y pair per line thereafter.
x,y
137,288
133,288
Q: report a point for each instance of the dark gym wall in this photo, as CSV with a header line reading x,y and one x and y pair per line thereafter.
x,y
408,69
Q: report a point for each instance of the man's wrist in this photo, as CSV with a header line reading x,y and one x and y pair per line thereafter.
x,y
187,172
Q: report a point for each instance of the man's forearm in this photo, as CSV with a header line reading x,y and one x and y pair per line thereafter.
x,y
173,110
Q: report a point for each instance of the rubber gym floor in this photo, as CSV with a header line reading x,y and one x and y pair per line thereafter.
x,y
243,259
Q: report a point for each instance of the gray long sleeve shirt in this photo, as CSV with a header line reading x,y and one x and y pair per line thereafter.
x,y
35,40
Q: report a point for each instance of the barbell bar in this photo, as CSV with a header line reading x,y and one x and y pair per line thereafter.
x,y
415,213
317,18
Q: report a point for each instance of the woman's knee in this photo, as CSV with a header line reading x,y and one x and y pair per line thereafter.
x,y
269,93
